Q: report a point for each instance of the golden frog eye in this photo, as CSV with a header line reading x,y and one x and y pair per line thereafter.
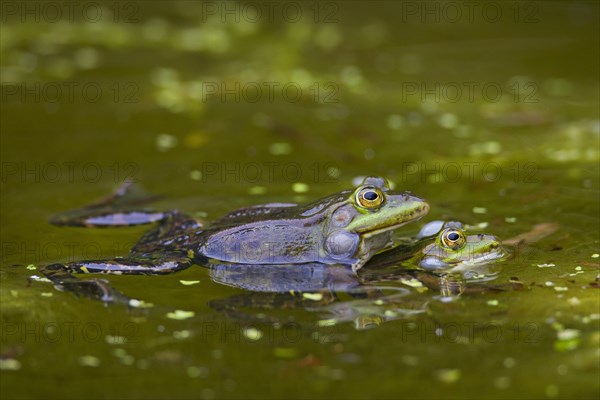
x,y
453,238
369,198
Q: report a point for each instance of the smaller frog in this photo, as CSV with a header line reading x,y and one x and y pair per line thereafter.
x,y
442,247
454,250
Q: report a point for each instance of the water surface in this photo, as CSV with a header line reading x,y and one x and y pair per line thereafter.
x,y
492,118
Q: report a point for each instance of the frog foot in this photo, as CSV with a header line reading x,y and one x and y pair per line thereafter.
x,y
63,275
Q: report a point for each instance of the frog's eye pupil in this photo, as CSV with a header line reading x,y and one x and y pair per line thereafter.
x,y
453,236
371,196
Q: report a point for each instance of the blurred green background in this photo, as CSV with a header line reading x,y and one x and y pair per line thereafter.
x,y
489,110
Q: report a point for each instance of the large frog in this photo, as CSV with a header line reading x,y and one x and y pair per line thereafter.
x,y
348,228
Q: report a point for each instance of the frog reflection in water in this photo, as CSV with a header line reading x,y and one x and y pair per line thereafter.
x,y
441,258
348,228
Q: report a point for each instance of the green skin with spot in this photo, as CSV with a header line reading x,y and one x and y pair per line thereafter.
x,y
332,230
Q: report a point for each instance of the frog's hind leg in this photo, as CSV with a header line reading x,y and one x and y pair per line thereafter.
x,y
177,233
121,208
62,275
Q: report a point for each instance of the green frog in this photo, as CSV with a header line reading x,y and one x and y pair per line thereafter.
x,y
441,255
446,247
347,228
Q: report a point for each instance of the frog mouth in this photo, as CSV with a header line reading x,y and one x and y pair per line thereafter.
x,y
375,232
494,255
404,218
489,257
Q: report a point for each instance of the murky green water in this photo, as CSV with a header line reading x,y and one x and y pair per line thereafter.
x,y
489,112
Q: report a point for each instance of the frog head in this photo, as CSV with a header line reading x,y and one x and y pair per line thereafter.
x,y
360,226
454,248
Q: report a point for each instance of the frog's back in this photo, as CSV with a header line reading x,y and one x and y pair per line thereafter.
x,y
254,213
278,233
274,211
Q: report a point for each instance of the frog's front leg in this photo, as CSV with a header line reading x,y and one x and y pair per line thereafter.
x,y
369,247
61,275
